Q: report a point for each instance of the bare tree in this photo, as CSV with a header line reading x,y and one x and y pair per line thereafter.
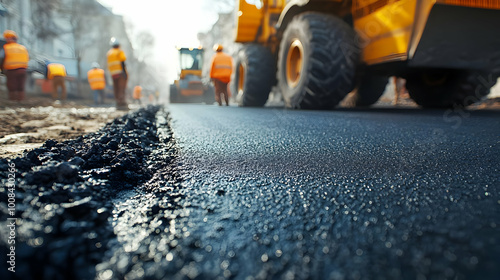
x,y
79,14
144,44
43,22
101,42
143,49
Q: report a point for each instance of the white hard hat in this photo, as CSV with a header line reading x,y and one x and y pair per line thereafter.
x,y
114,42
95,65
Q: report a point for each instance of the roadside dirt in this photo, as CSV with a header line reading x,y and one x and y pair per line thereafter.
x,y
27,125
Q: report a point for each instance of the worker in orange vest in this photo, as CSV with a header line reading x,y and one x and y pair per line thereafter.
x,y
97,82
116,66
399,88
56,72
220,73
14,61
137,94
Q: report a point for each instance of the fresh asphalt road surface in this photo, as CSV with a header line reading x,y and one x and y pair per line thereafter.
x,y
348,194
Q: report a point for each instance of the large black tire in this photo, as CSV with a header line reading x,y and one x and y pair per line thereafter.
x,y
254,75
439,88
317,61
370,88
174,95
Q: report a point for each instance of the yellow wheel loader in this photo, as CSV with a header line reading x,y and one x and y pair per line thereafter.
x,y
190,87
447,50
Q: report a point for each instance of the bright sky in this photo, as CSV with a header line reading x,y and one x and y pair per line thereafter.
x,y
173,23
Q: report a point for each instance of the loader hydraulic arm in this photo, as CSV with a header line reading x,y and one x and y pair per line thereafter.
x,y
257,20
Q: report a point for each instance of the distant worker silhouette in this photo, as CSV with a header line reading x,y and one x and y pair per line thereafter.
x,y
137,94
116,66
220,73
399,89
97,81
14,61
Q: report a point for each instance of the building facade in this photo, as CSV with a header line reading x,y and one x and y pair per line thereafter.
x,y
72,32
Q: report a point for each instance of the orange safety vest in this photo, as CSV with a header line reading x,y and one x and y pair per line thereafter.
x,y
96,79
16,56
115,59
222,67
137,92
56,69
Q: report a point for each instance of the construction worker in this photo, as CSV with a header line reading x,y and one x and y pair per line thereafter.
x,y
56,72
97,82
151,98
399,88
137,94
116,65
220,73
157,96
14,61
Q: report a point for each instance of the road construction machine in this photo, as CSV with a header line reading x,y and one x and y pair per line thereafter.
x,y
190,85
317,51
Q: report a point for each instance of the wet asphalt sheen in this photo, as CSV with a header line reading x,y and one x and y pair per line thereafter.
x,y
271,193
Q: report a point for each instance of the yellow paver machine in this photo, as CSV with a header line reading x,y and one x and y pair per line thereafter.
x,y
190,86
317,51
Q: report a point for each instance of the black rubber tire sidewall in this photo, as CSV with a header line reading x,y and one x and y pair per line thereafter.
x,y
331,56
259,67
370,89
462,88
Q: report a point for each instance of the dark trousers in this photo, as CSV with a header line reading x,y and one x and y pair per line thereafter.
x,y
98,96
58,82
119,84
16,80
221,88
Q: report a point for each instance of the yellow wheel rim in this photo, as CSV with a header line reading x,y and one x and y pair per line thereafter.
x,y
241,78
294,63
